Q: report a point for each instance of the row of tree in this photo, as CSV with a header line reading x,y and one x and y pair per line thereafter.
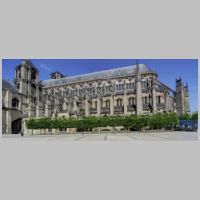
x,y
156,121
186,116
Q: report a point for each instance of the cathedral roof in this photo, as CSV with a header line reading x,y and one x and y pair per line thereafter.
x,y
106,74
6,85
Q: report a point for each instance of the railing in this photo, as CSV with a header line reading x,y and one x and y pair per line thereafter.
x,y
105,110
188,125
118,109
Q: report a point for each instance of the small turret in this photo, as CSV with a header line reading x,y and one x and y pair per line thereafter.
x,y
179,82
56,75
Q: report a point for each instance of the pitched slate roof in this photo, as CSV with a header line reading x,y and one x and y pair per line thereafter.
x,y
106,74
6,85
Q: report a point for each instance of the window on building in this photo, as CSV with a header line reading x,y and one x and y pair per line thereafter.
x,y
159,99
107,103
108,88
33,74
100,89
33,89
60,107
90,90
119,102
130,86
27,72
145,100
117,87
34,99
144,84
120,87
80,91
131,101
15,103
95,104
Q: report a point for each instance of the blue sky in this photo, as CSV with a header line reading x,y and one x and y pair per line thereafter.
x,y
168,70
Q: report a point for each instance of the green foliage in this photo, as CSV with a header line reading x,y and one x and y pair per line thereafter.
x,y
156,121
194,116
167,120
185,116
114,121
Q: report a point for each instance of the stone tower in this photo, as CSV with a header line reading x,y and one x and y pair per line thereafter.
x,y
182,98
27,82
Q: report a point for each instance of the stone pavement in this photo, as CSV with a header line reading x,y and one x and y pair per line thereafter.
x,y
125,136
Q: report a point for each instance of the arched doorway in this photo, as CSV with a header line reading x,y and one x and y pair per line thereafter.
x,y
17,126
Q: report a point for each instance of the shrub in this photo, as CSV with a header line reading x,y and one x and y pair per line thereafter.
x,y
185,116
194,116
156,121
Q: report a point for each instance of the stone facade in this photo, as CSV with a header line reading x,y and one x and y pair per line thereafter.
x,y
122,91
11,108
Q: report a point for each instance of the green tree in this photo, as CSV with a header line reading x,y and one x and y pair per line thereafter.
x,y
185,116
194,116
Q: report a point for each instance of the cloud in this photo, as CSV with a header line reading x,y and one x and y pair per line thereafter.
x,y
45,67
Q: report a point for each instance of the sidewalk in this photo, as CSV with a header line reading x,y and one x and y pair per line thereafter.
x,y
125,136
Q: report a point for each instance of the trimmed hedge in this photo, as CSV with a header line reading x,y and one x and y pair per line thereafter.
x,y
186,116
156,121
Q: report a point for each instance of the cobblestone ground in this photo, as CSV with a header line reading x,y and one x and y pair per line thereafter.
x,y
129,136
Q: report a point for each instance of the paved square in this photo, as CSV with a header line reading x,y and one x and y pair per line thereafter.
x,y
125,136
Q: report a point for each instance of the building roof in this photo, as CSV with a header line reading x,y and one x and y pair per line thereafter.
x,y
106,74
6,85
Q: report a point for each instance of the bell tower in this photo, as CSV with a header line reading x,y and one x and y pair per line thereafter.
x,y
182,97
27,82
